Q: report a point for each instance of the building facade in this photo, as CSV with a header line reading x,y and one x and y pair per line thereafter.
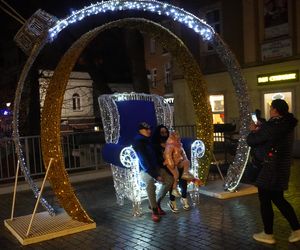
x,y
268,51
265,38
77,111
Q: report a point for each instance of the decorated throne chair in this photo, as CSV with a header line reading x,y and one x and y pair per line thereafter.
x,y
121,115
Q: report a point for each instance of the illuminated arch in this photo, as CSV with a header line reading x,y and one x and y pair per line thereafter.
x,y
200,27
207,33
51,116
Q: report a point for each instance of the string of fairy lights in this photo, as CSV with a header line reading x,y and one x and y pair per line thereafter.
x,y
179,15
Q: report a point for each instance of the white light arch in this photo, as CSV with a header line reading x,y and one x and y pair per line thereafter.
x,y
179,15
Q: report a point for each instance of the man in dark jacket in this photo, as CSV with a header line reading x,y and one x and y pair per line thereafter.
x,y
151,171
275,138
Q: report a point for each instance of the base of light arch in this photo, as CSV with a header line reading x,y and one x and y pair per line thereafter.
x,y
215,189
45,227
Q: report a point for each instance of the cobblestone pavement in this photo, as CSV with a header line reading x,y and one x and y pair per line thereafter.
x,y
213,224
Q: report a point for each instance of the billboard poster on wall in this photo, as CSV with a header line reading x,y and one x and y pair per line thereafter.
x,y
276,18
276,49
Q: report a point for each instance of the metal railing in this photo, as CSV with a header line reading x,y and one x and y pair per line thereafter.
x,y
78,157
186,131
224,143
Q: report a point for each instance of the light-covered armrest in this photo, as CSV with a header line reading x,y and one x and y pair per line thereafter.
x,y
120,155
128,157
190,144
197,152
111,154
198,148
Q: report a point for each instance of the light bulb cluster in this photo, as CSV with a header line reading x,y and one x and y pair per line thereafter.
x,y
177,14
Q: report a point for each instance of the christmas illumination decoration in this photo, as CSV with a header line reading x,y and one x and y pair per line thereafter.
x,y
31,38
130,160
52,108
192,74
179,15
236,169
127,180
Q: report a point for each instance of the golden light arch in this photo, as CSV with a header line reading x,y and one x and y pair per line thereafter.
x,y
51,116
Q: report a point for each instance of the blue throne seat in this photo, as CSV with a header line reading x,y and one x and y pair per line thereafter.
x,y
121,114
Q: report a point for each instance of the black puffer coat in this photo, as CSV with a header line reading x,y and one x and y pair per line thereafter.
x,y
276,139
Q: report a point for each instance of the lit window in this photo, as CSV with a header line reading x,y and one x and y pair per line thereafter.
x,y
217,107
76,101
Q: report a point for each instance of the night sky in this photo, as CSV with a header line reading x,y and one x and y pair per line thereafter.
x,y
108,47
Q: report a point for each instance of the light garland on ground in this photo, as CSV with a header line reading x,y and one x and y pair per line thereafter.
x,y
179,15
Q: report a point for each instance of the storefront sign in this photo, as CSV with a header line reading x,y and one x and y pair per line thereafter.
x,y
169,100
290,76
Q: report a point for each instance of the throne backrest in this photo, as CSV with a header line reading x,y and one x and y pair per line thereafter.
x,y
122,113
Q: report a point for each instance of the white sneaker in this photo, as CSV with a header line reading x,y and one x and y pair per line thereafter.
x,y
176,192
173,206
295,236
265,238
186,206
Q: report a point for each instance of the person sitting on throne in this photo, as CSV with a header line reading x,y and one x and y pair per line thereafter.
x,y
151,171
174,158
159,139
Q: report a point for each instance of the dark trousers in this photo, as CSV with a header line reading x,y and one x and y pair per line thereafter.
x,y
182,184
266,197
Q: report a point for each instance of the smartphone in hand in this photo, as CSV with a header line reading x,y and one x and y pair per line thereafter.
x,y
254,118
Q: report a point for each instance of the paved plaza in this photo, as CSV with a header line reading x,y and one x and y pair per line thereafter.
x,y
213,224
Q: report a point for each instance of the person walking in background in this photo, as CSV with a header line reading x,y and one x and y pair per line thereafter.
x,y
160,136
151,171
275,138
